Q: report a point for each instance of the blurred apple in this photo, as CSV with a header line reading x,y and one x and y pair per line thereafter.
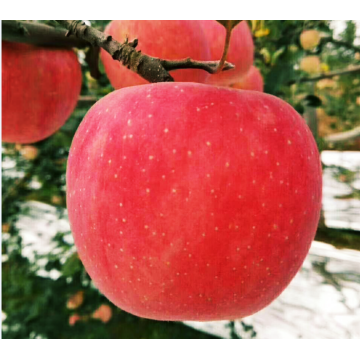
x,y
310,64
29,152
75,301
73,319
5,228
309,39
103,313
56,200
326,84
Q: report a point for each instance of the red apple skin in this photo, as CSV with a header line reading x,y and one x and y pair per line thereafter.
x,y
40,89
193,202
252,80
173,40
241,50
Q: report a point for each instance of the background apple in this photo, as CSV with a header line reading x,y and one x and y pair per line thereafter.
x,y
241,51
29,152
75,300
73,319
310,64
40,89
309,39
192,202
252,80
103,313
175,39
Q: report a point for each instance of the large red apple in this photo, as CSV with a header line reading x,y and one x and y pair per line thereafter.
x,y
40,89
252,80
241,50
193,202
175,39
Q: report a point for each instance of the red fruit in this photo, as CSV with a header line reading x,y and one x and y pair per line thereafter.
x,y
175,39
29,152
40,89
251,81
73,319
76,300
241,51
103,313
192,202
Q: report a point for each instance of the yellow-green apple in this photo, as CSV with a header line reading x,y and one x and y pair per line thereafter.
x,y
175,39
40,89
29,152
192,202
310,64
309,39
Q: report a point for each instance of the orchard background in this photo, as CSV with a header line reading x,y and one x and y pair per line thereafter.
x,y
51,296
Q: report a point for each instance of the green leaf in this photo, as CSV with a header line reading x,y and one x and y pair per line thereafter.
x,y
277,54
280,74
72,265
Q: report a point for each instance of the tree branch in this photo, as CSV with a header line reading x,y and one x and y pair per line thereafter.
x,y
328,75
209,66
340,43
88,99
343,137
150,68
226,50
39,34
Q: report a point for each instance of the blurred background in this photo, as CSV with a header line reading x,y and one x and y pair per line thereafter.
x,y
46,293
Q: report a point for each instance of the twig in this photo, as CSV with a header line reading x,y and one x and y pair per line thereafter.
x,y
340,43
328,75
209,66
150,68
225,51
88,99
92,59
39,34
343,136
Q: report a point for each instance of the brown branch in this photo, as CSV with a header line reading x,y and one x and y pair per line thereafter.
x,y
38,34
343,136
209,66
328,75
225,51
150,68
88,99
340,43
